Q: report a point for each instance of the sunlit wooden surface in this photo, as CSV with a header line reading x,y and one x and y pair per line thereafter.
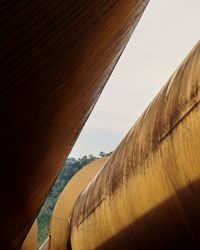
x,y
56,57
59,229
31,241
148,194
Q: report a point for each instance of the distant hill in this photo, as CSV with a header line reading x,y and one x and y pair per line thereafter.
x,y
71,167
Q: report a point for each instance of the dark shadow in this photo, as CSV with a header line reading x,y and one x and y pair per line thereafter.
x,y
175,224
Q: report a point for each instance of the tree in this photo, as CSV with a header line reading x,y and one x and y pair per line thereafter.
x,y
71,167
102,154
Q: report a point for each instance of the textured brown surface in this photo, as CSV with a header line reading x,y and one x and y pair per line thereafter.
x,y
59,229
31,241
147,196
55,59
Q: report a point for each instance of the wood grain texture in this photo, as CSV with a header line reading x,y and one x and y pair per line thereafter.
x,y
56,57
31,241
147,196
59,229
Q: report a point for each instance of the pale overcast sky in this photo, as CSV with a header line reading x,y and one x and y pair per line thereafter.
x,y
165,34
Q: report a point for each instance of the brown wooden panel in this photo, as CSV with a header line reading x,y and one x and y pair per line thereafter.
x,y
59,229
31,241
147,196
56,57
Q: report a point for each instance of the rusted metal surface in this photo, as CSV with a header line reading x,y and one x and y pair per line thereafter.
x,y
60,221
56,57
150,185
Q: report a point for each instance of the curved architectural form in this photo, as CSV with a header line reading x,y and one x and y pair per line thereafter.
x,y
56,57
147,196
59,229
30,243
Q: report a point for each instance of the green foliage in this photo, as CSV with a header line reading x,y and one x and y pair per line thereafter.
x,y
71,167
102,154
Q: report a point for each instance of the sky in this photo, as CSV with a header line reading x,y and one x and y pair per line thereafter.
x,y
165,34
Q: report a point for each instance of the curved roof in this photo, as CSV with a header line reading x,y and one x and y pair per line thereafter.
x,y
66,202
147,194
56,57
31,241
